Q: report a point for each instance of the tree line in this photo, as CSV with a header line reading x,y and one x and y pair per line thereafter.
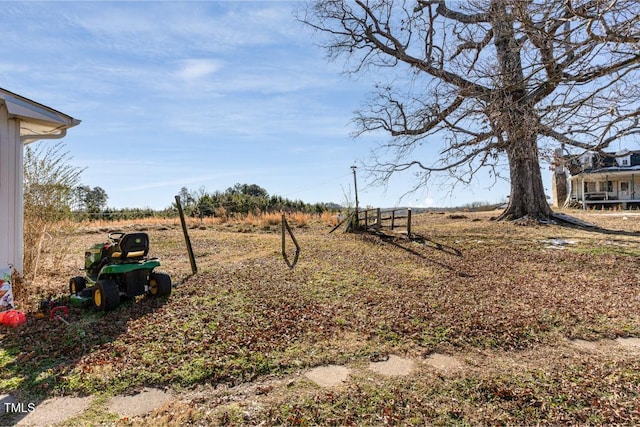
x,y
53,191
242,199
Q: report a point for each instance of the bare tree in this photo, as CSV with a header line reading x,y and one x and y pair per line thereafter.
x,y
49,179
489,80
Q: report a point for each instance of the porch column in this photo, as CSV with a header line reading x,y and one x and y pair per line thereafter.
x,y
633,188
584,205
11,197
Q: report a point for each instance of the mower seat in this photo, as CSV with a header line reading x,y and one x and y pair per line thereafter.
x,y
131,246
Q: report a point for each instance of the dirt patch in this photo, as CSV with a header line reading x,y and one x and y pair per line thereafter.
x,y
138,404
56,410
443,362
394,366
328,376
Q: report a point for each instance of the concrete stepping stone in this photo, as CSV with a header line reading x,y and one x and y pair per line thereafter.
x,y
443,362
328,376
630,343
135,405
394,366
56,410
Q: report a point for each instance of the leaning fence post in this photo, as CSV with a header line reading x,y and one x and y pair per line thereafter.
x,y
192,258
350,224
409,222
355,220
378,220
293,263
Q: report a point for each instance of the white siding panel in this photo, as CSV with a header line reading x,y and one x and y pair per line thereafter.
x,y
6,235
18,193
11,208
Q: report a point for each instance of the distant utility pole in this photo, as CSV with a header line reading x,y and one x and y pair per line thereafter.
x,y
355,184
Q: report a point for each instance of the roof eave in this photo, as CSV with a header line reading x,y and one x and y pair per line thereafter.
x,y
37,121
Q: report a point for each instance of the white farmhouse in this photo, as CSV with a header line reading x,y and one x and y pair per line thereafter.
x,y
598,180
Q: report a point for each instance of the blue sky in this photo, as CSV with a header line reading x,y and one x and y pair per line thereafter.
x,y
201,94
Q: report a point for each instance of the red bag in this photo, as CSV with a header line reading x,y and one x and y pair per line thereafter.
x,y
12,318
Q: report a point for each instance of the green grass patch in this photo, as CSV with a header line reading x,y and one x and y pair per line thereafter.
x,y
607,249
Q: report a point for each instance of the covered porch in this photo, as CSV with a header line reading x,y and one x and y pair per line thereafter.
x,y
606,189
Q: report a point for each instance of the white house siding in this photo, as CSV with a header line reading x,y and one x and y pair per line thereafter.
x,y
11,199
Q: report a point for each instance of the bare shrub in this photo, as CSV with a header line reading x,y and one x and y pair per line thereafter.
x,y
49,179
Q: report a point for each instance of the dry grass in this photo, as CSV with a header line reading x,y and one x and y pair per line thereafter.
x,y
504,299
51,249
269,219
261,219
61,246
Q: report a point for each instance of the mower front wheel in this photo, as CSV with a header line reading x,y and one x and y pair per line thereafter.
x,y
159,284
106,295
77,285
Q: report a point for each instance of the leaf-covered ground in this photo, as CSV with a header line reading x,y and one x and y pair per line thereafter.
x,y
504,298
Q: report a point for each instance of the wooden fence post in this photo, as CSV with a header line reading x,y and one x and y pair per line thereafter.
x,y
393,218
287,229
378,220
348,218
355,220
192,258
409,222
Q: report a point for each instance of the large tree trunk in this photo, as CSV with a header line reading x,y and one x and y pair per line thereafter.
x,y
518,120
527,191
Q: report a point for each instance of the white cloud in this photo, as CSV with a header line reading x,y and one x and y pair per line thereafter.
x,y
428,202
164,28
195,69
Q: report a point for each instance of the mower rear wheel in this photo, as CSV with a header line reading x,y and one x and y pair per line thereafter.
x,y
106,295
77,285
159,284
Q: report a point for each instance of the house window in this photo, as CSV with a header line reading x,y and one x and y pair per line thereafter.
x,y
605,186
589,187
625,162
624,186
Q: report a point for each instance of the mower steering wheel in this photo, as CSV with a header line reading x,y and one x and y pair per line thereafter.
x,y
116,235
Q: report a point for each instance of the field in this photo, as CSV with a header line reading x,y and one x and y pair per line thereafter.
x,y
532,324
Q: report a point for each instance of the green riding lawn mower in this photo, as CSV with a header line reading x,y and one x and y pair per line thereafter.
x,y
116,270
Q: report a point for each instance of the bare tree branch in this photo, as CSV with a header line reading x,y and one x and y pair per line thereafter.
x,y
443,10
490,81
